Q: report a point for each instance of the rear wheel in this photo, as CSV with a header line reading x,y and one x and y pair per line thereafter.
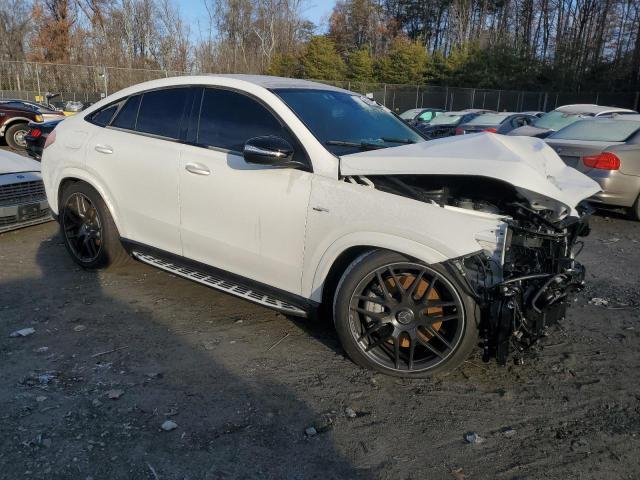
x,y
402,317
15,134
89,233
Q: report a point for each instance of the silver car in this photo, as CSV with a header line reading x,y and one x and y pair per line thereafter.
x,y
563,116
608,151
22,198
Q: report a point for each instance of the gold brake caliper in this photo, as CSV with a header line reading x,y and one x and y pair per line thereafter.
x,y
407,281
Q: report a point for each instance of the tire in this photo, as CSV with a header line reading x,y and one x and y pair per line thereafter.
x,y
14,135
634,211
422,324
91,236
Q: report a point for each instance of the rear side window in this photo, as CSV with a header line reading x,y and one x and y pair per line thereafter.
x,y
161,112
127,116
599,130
228,119
104,116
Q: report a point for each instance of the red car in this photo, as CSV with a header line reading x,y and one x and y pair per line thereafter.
x,y
15,116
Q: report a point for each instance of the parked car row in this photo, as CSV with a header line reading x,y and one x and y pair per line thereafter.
x,y
24,124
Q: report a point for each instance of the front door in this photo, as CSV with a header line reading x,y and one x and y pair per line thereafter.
x,y
246,219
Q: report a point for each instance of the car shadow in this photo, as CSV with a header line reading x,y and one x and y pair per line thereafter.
x,y
118,353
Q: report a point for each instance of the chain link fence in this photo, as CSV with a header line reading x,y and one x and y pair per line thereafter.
x,y
31,80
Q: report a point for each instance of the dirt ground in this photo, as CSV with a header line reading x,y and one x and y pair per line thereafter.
x,y
241,401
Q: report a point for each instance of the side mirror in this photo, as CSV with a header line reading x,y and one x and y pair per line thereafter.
x,y
270,150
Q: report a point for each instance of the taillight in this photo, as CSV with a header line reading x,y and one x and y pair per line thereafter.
x,y
491,130
35,132
50,139
604,161
459,131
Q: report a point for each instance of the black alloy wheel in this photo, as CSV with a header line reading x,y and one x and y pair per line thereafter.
x,y
82,228
402,317
406,316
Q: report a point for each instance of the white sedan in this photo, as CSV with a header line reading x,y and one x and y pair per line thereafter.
x,y
311,199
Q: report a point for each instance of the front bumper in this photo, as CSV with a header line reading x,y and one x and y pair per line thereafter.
x,y
22,201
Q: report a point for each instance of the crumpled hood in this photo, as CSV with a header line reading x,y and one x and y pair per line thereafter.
x,y
528,164
13,163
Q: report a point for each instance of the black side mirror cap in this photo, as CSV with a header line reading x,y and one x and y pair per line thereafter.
x,y
270,150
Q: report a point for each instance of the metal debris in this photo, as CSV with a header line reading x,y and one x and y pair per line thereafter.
x,y
24,332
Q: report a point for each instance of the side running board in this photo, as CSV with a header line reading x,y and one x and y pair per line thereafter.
x,y
222,284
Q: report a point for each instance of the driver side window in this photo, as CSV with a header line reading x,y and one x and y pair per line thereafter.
x,y
228,119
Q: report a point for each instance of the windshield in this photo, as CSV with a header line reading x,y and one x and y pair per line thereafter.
x,y
409,114
489,119
445,120
556,120
345,122
599,130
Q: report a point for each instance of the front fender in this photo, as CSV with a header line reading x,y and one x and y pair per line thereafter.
x,y
313,284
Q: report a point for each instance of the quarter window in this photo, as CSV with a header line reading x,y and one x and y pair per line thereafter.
x,y
127,116
104,116
228,119
161,112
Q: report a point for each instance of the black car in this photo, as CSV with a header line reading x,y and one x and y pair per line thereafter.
x,y
37,135
420,115
445,124
502,123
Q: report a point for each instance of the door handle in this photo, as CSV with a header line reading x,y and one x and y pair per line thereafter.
x,y
197,168
103,148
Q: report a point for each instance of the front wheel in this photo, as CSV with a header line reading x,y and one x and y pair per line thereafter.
x,y
402,317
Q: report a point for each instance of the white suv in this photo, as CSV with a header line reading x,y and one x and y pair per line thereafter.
x,y
298,195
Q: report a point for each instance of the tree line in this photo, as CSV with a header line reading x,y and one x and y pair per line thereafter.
x,y
567,45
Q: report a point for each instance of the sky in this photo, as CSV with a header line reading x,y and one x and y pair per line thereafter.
x,y
315,10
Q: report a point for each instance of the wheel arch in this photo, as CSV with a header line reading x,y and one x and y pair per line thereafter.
x,y
80,176
12,121
339,255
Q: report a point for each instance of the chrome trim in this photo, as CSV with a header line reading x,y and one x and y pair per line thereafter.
x,y
264,151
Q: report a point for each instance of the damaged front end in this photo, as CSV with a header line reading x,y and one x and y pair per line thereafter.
x,y
526,274
533,283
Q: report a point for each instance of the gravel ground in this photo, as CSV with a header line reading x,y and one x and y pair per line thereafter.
x,y
241,402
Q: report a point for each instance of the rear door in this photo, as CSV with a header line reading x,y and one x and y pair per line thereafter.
x,y
247,219
137,157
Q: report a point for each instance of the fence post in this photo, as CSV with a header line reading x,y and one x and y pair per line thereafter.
x,y
104,76
498,105
637,101
38,79
473,98
446,97
546,99
384,101
417,94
